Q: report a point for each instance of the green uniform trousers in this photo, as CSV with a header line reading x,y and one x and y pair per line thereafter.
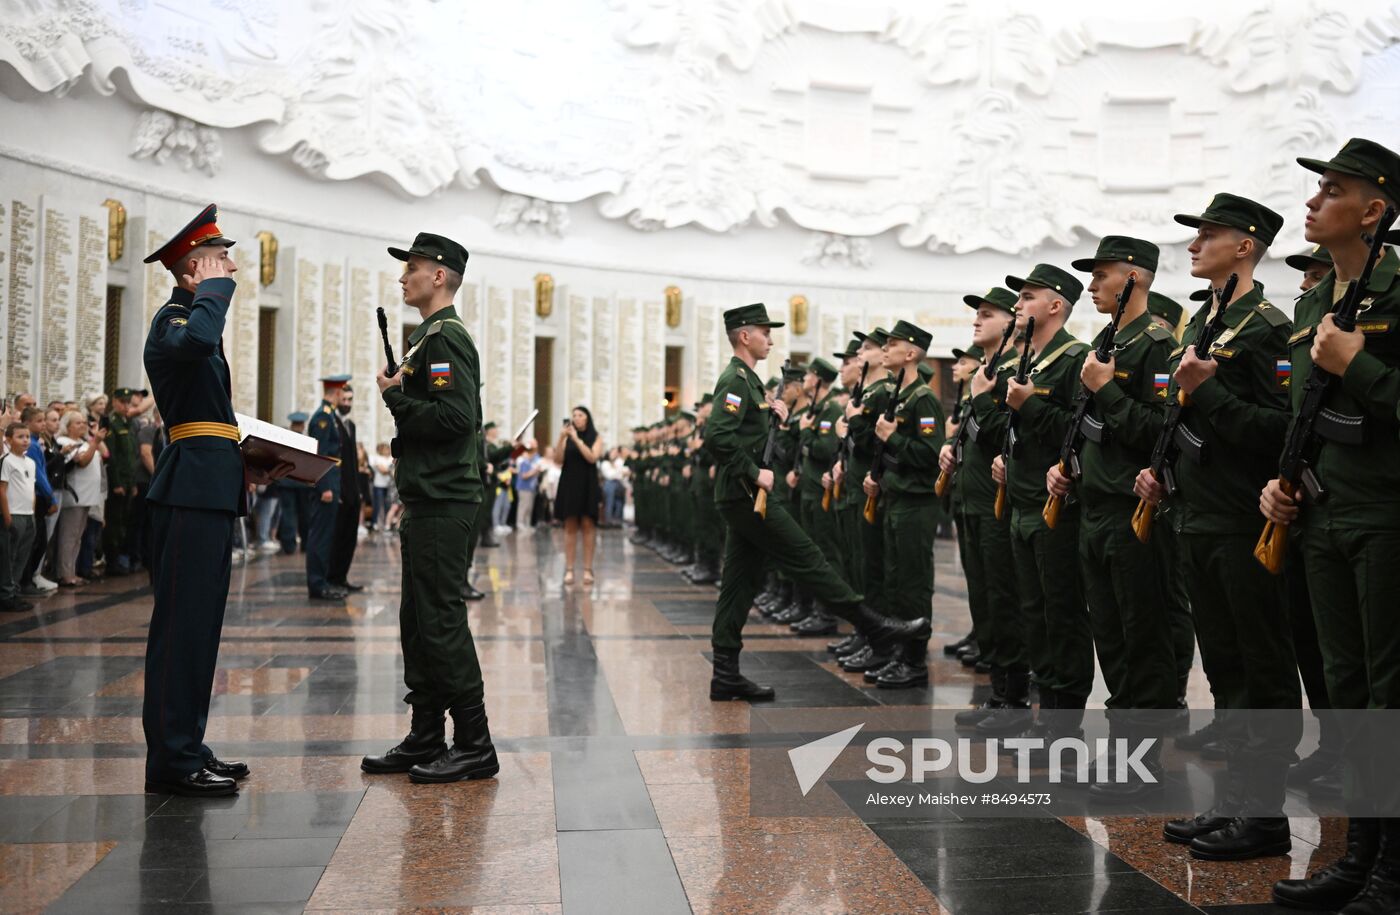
x,y
822,527
1245,636
872,552
1054,623
850,520
750,543
1127,609
910,524
440,667
976,599
999,634
481,520
1164,537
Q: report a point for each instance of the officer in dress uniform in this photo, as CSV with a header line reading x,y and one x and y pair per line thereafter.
x,y
320,533
346,534
738,431
196,493
435,398
295,499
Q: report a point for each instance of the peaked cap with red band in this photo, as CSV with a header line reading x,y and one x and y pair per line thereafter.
x,y
202,230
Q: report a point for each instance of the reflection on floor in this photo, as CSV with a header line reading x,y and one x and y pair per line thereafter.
x,y
622,787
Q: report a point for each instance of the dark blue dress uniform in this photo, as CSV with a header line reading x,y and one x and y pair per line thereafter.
x,y
195,495
321,524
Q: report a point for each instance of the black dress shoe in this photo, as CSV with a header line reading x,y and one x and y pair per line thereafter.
x,y
234,770
349,587
903,675
1328,784
816,624
329,594
1183,831
426,741
728,683
1244,837
200,784
470,592
873,675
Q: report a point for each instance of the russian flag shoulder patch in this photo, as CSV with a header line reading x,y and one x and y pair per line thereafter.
x,y
439,376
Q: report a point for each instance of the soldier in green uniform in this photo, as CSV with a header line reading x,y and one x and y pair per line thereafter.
x,y
708,526
121,482
846,502
1314,263
1350,541
965,362
738,431
993,598
787,463
1122,576
1054,621
435,398
817,441
1169,314
911,445
678,489
1232,433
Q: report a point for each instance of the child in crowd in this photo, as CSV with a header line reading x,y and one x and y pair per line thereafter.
x,y
17,512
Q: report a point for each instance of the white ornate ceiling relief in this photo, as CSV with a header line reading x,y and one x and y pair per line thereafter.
x,y
955,126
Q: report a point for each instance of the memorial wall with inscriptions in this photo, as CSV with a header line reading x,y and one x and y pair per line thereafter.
x,y
22,295
90,331
630,339
580,347
241,330
5,205
307,292
603,364
58,258
496,355
522,375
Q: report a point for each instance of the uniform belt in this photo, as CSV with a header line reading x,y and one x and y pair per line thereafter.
x,y
208,430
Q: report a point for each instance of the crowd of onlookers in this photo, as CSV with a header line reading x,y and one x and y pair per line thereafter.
x,y
73,480
525,487
74,475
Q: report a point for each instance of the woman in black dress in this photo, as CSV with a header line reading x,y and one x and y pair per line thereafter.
x,y
579,494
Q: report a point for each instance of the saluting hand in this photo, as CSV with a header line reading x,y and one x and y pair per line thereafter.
x,y
208,267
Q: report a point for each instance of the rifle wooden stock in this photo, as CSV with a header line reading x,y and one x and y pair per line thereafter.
x,y
1142,520
836,490
1053,504
826,498
760,503
940,486
999,507
1273,542
870,509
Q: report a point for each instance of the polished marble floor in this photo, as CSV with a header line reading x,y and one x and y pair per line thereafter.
x,y
622,787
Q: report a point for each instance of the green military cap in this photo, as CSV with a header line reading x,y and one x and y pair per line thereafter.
x,y
755,315
1164,307
879,336
771,382
822,369
912,333
838,389
123,393
1237,213
925,372
997,297
684,415
1200,295
437,248
852,349
488,427
1048,276
1134,251
1364,159
972,352
1308,259
708,398
639,429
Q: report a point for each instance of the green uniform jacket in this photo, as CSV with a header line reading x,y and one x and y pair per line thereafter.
x,y
1241,414
861,430
1045,417
976,488
1130,407
1363,481
437,410
819,445
738,432
915,442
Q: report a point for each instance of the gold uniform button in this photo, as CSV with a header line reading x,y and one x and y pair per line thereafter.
x,y
1251,228
1130,258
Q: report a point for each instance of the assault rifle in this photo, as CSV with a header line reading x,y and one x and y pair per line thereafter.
x,y
1303,443
877,468
1074,435
843,449
1168,446
1013,422
940,486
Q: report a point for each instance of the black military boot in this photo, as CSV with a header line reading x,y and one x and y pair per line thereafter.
x,y
874,674
844,646
1015,714
426,741
968,718
1040,728
1242,838
799,609
885,633
1381,896
471,754
728,683
819,623
1340,882
1134,786
709,570
971,655
1065,719
1228,804
1211,733
868,658
911,671
952,648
